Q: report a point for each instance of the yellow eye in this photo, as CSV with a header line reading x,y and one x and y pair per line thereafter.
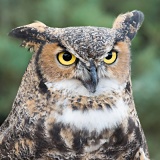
x,y
111,58
66,58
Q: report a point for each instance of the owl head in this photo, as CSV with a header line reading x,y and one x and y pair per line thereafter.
x,y
82,59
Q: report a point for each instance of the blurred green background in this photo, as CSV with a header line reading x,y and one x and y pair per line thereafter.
x,y
63,13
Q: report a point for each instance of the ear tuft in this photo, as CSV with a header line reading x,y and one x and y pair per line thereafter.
x,y
34,32
129,23
32,35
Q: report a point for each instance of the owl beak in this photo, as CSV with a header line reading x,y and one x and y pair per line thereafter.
x,y
92,83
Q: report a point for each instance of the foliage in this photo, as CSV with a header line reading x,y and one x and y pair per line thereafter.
x,y
63,13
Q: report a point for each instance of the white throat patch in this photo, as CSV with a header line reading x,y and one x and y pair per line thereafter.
x,y
94,120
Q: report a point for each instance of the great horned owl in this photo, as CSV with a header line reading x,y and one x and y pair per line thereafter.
x,y
75,100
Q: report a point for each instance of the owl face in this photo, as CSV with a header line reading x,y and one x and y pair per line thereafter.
x,y
58,63
90,59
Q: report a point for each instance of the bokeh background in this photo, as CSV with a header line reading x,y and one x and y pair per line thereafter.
x,y
64,13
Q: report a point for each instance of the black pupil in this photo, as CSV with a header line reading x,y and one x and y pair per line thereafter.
x,y
67,56
109,55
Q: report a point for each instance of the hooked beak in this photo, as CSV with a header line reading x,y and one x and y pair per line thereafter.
x,y
92,83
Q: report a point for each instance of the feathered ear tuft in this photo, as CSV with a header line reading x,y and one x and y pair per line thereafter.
x,y
32,34
128,24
